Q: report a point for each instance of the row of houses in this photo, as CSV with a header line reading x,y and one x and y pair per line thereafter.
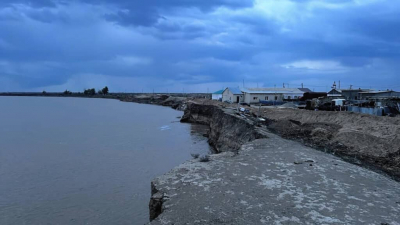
x,y
362,94
255,95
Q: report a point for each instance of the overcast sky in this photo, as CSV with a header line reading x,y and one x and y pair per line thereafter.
x,y
198,45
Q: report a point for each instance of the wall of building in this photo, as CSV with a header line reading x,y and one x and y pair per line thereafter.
x,y
366,96
351,95
216,96
255,98
364,110
292,96
227,95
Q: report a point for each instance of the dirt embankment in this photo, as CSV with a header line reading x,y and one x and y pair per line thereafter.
x,y
366,140
362,139
228,131
175,101
284,168
178,103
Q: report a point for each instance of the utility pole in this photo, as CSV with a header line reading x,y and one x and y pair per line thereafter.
x,y
339,84
302,85
283,85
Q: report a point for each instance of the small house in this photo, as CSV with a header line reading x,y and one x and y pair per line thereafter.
x,y
255,95
232,94
217,95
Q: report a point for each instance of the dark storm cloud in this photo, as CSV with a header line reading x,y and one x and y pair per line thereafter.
x,y
57,43
146,13
33,3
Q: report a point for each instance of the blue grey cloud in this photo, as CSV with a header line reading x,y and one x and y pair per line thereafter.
x,y
197,44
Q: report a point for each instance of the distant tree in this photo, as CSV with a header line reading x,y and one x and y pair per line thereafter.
x,y
105,90
91,91
100,92
44,92
66,92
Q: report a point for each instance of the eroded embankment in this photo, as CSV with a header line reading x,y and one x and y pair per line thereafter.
x,y
229,131
366,140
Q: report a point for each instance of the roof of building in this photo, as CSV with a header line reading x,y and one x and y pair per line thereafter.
x,y
305,90
376,92
335,90
272,90
218,92
234,90
359,90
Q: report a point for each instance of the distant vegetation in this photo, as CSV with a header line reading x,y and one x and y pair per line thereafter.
x,y
66,92
104,91
91,91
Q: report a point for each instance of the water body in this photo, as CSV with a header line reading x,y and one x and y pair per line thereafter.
x,y
86,161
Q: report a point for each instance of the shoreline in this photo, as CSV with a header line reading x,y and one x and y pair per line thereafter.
x,y
230,133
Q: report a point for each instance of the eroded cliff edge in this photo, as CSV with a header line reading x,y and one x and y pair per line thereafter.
x,y
230,131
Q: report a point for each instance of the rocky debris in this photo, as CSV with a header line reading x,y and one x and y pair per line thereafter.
x,y
205,158
156,203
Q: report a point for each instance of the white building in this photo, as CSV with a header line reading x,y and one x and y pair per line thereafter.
x,y
254,95
217,95
232,94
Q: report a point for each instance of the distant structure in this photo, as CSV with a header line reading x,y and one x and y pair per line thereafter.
x,y
232,94
348,94
367,95
217,95
255,95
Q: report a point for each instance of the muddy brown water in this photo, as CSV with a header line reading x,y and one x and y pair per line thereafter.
x,y
86,161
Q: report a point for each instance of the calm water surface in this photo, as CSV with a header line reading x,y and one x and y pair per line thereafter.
x,y
86,161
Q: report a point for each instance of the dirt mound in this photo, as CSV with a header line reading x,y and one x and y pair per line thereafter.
x,y
288,105
370,139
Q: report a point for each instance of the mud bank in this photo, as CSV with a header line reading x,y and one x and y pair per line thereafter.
x,y
178,103
370,141
228,130
175,101
236,185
